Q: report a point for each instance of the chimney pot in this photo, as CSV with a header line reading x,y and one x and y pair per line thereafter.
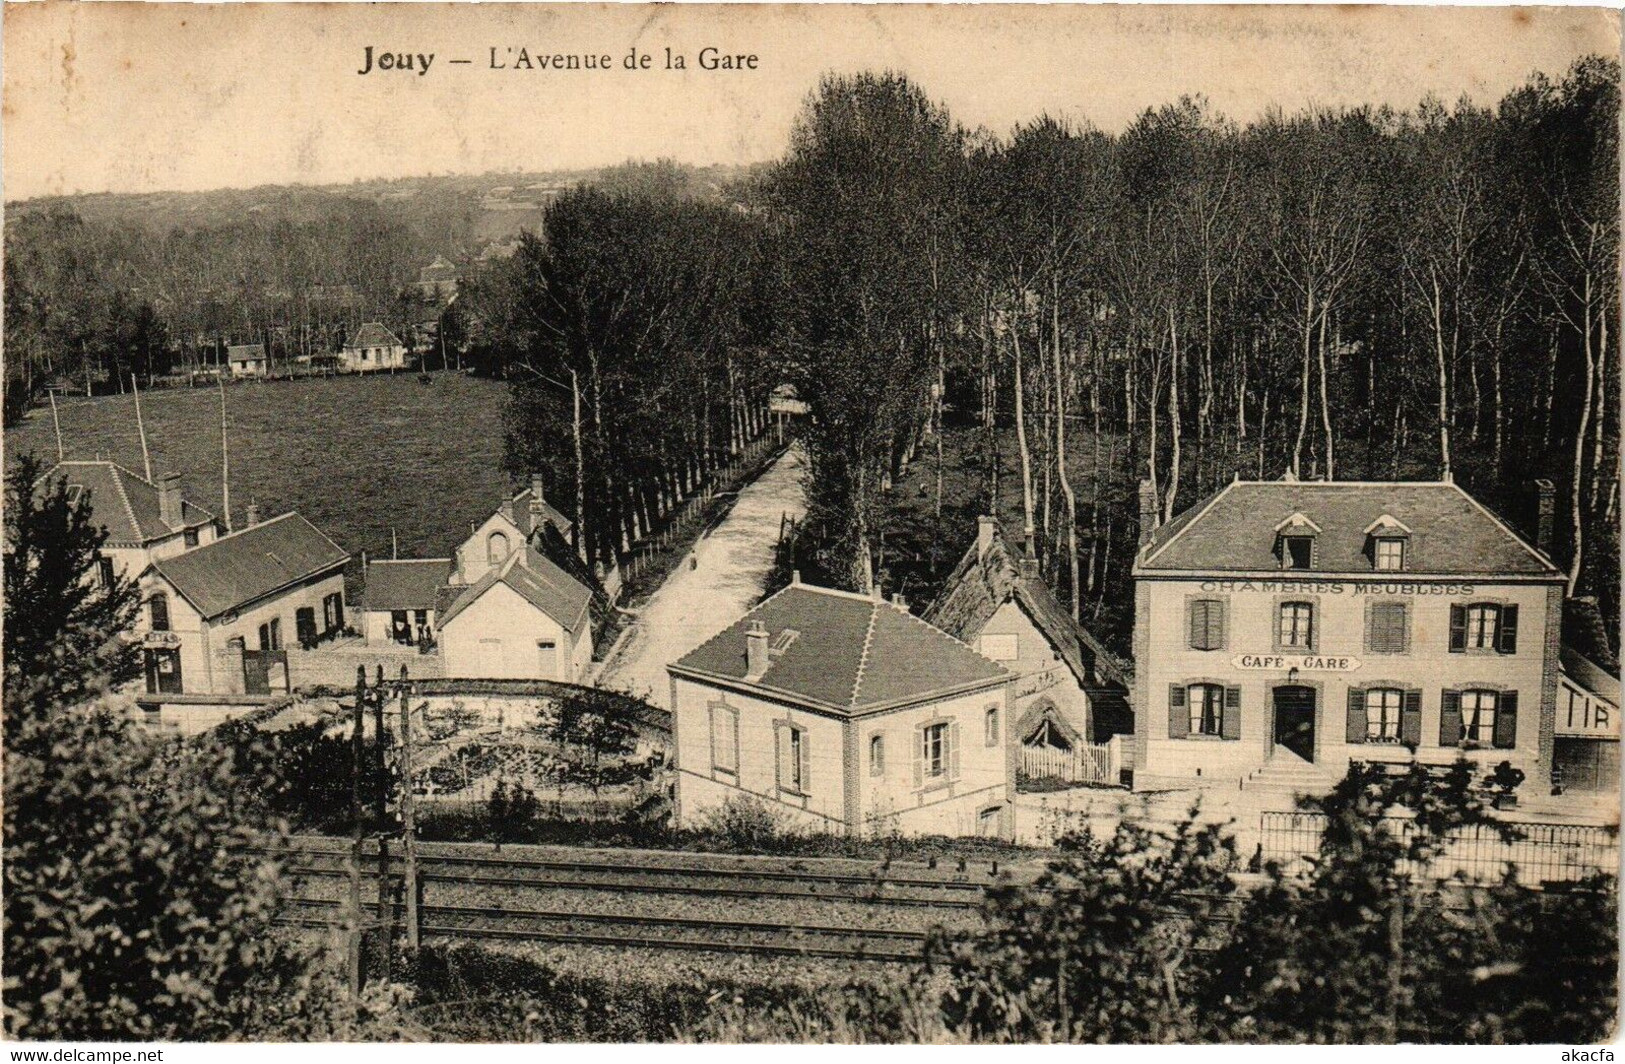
x,y
251,515
795,576
985,526
1028,564
1546,514
1148,512
756,659
537,491
169,499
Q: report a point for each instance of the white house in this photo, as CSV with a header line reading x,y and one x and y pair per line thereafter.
x,y
1585,753
523,618
247,360
844,713
1069,687
218,619
144,521
373,348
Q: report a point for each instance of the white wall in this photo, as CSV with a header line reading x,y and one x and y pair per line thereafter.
x,y
495,637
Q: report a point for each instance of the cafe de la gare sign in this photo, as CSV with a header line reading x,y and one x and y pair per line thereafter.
x,y
1300,662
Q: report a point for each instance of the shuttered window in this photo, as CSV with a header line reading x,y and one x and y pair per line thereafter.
x,y
1388,624
1206,627
1382,713
795,768
936,753
1478,716
1484,626
1206,702
724,738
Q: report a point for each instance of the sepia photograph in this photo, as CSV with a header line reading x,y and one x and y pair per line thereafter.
x,y
897,524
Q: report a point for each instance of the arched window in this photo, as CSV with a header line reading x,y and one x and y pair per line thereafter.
x,y
158,612
496,547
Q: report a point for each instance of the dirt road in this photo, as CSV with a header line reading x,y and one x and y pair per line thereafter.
x,y
728,570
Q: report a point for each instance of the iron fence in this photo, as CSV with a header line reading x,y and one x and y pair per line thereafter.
x,y
1480,853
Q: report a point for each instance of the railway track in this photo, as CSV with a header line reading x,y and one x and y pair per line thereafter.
x,y
610,929
783,895
693,874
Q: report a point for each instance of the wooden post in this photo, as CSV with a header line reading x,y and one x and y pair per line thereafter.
x,y
141,429
386,910
356,752
55,423
409,818
225,507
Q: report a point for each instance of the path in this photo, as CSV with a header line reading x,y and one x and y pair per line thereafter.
x,y
696,602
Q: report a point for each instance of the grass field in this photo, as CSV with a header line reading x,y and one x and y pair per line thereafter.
x,y
355,455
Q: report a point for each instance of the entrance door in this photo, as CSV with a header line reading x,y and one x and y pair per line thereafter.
x,y
1295,720
163,671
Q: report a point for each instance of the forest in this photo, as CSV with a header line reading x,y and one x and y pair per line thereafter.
x,y
1355,294
1028,322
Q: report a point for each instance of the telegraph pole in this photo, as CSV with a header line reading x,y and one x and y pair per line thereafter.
x,y
56,423
386,910
409,816
141,428
357,753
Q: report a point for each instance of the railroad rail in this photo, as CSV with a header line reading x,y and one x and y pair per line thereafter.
x,y
694,874
658,932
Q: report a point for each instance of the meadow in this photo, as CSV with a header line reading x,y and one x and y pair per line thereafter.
x,y
357,456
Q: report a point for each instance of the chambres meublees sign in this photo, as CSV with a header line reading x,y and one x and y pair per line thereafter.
x,y
1337,587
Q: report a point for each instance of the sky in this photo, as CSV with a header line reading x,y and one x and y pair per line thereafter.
x,y
148,97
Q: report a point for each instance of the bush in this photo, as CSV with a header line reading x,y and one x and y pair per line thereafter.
x,y
744,824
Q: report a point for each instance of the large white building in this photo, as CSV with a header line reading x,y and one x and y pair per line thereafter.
x,y
1286,629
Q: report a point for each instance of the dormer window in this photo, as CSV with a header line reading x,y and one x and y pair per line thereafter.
x,y
1386,541
1295,542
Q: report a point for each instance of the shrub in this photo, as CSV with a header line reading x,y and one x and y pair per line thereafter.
x,y
743,824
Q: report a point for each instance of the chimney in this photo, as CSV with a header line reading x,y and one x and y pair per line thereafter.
x,y
537,504
1148,512
1028,564
795,576
251,515
985,526
169,499
898,600
1546,512
756,659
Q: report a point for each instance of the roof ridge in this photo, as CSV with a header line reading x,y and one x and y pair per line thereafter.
x,y
863,658
405,561
124,497
945,634
249,528
747,613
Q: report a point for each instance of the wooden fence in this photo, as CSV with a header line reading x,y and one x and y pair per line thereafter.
x,y
1091,763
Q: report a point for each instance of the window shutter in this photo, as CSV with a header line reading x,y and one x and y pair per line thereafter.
x,y
1450,717
1410,719
781,747
1357,722
919,758
1506,720
1216,618
1458,629
1230,726
1507,635
1198,625
1179,721
806,764
716,737
953,750
1402,618
1372,625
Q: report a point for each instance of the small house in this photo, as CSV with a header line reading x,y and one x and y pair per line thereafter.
x,y
374,348
219,619
401,599
844,713
247,360
1070,690
523,617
